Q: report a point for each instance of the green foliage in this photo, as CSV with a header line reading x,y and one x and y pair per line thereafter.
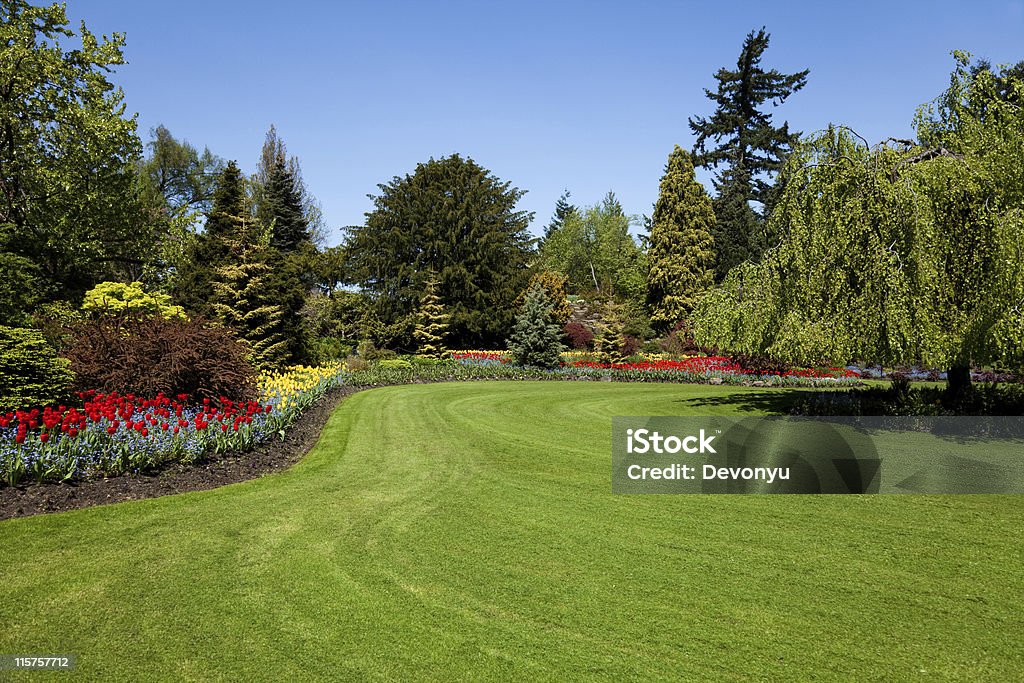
x,y
431,323
680,254
563,209
751,147
70,212
211,250
108,298
31,374
244,301
596,252
609,341
394,364
554,287
332,324
177,183
536,339
898,256
281,209
453,218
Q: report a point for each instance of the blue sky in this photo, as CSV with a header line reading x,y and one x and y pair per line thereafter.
x,y
584,96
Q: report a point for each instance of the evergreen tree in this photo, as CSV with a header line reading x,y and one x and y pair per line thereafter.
x,y
554,286
244,300
211,249
281,210
454,218
536,340
681,251
563,209
608,343
752,149
431,322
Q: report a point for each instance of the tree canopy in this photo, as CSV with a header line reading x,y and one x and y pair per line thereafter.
x,y
70,214
681,253
454,218
898,254
751,148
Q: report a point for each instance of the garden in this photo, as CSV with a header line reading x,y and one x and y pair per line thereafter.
x,y
238,442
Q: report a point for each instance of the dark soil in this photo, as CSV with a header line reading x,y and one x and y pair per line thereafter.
x,y
215,470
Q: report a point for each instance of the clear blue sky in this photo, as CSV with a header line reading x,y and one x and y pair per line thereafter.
x,y
588,96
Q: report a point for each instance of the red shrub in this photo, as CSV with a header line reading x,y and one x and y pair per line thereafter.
x,y
580,336
146,356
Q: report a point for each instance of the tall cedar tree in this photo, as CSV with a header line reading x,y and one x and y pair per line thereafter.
x,y
681,252
456,219
431,323
536,339
211,249
751,147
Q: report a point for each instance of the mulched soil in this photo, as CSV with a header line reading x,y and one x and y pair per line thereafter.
x,y
216,470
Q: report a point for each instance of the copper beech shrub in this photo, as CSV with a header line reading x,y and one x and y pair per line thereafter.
x,y
134,354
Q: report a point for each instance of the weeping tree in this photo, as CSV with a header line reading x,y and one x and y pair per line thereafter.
x,y
906,252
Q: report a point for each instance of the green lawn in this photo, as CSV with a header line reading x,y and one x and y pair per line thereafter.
x,y
467,531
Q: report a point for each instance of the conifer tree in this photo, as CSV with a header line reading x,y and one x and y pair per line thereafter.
x,y
244,301
608,343
563,209
212,248
431,322
281,209
681,251
456,219
752,149
536,340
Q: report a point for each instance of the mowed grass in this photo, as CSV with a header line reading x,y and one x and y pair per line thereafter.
x,y
467,531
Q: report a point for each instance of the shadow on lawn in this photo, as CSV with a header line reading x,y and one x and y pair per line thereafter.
x,y
771,402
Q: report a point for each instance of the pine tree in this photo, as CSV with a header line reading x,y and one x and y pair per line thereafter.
x,y
751,147
431,322
212,248
681,251
536,339
241,301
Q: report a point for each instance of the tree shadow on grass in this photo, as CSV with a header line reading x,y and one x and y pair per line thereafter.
x,y
771,402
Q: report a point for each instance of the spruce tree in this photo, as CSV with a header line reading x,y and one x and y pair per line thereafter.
x,y
536,339
431,322
243,301
681,251
752,149
281,209
211,249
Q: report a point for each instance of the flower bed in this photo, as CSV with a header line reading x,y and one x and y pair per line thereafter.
x,y
110,434
693,368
